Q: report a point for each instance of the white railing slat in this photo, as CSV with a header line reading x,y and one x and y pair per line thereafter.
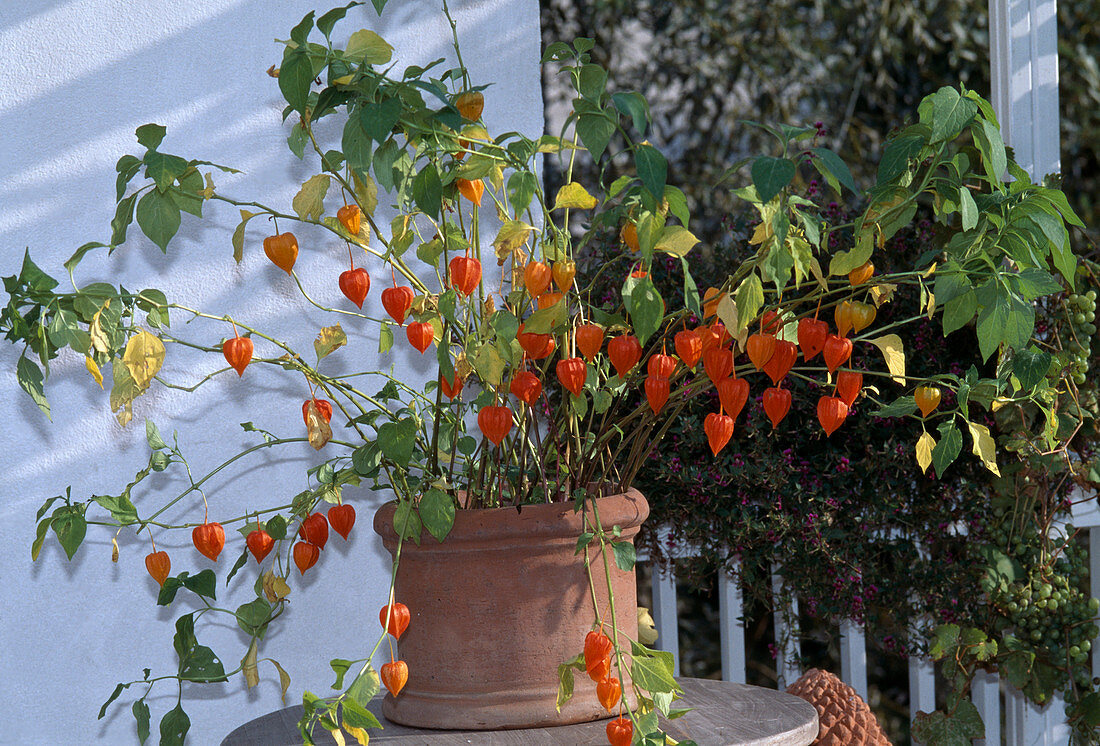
x,y
922,685
664,615
853,656
788,643
731,620
986,696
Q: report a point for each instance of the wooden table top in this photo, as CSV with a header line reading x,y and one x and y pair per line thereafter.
x,y
724,714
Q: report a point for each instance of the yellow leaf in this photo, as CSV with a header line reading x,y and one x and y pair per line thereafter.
x,y
727,311
882,294
248,666
984,446
343,80
123,392
931,305
366,192
309,202
338,736
512,235
208,192
845,261
94,370
573,195
284,678
892,349
930,271
925,444
761,233
369,47
100,341
275,588
647,630
114,549
238,235
489,364
999,402
329,339
318,430
676,240
359,734
143,357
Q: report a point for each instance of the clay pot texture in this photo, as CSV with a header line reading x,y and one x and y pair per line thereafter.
x,y
497,607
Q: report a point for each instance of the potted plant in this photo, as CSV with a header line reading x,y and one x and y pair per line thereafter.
x,y
547,400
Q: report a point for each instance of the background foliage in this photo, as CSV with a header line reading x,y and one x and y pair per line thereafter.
x,y
817,507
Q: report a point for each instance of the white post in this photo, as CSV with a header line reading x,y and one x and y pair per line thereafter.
x,y
1023,51
731,621
986,696
788,648
922,685
664,615
853,656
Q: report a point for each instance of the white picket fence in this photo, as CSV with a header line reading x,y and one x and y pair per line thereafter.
x,y
1009,718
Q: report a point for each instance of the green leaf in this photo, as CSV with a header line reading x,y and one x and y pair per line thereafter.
x,y
174,726
120,507
522,186
633,105
204,583
595,131
124,215
40,538
114,695
159,218
329,19
646,308
365,686
295,79
378,120
276,527
948,448
959,311
437,513
340,668
69,525
625,555
834,169
749,299
652,169
968,208
253,617
355,715
900,407
30,380
957,729
771,175
652,669
949,112
565,684
72,261
300,32
397,439
1089,707
896,157
427,190
357,144
406,522
152,436
163,169
592,79
141,715
149,136
1031,366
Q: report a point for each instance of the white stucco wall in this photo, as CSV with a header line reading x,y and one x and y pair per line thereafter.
x,y
76,78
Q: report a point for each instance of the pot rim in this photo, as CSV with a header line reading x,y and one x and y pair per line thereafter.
x,y
626,509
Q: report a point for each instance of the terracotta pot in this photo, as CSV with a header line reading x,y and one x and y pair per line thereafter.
x,y
496,607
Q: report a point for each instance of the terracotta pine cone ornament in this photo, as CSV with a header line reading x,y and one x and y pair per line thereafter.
x,y
845,718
